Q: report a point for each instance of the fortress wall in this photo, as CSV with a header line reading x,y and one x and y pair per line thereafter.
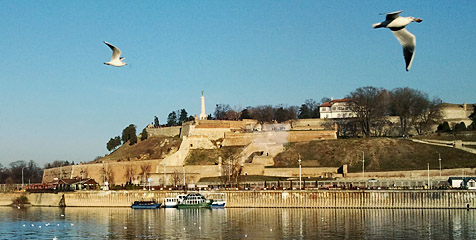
x,y
307,136
96,171
294,172
200,142
276,127
165,131
309,124
243,139
222,124
455,112
211,133
186,128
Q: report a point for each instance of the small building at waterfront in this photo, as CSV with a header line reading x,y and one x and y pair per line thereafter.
x,y
462,182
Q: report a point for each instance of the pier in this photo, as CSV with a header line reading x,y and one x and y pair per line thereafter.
x,y
396,199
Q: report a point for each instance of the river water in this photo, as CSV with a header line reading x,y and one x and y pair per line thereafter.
x,y
236,223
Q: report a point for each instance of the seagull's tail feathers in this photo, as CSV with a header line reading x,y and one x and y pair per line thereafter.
x,y
377,25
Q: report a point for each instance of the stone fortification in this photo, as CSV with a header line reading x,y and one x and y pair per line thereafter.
x,y
164,131
243,139
113,172
309,124
200,134
456,111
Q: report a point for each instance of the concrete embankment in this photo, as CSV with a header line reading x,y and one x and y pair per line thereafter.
x,y
306,199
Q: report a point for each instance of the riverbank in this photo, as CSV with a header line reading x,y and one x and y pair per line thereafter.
x,y
264,199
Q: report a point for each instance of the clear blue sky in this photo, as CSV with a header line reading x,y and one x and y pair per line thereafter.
x,y
58,101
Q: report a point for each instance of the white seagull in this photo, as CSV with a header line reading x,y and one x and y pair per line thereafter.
x,y
397,24
116,59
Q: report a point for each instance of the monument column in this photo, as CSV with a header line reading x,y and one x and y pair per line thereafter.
x,y
203,115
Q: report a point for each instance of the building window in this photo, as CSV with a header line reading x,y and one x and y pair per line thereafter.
x,y
333,108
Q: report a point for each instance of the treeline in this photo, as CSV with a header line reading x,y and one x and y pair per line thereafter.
x,y
13,174
371,106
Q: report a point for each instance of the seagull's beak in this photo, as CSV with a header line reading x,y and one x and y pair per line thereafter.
x,y
418,20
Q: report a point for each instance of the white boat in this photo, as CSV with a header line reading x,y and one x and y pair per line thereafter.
x,y
172,202
219,200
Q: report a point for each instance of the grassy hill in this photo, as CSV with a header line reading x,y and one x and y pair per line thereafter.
x,y
151,148
381,154
210,156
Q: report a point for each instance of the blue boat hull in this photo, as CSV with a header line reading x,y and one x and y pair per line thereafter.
x,y
214,205
146,206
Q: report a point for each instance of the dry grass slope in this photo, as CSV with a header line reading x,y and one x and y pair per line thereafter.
x,y
381,154
151,148
210,156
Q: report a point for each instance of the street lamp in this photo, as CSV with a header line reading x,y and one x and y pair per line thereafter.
x,y
428,175
363,165
439,159
184,185
299,172
164,175
22,181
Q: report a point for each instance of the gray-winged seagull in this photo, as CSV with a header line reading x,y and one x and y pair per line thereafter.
x,y
397,24
116,59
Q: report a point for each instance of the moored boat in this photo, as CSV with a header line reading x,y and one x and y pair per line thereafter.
x,y
219,200
145,204
195,200
172,202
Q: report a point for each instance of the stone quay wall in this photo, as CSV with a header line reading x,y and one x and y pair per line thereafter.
x,y
273,199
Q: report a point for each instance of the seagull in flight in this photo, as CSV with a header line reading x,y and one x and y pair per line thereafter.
x,y
397,24
116,59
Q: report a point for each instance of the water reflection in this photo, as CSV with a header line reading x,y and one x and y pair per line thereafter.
x,y
235,223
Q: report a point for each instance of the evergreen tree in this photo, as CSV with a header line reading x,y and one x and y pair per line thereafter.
x,y
183,116
172,119
129,134
156,122
245,114
144,134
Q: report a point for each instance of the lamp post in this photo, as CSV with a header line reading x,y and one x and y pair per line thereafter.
x,y
439,159
363,164
299,172
164,176
184,185
428,175
22,181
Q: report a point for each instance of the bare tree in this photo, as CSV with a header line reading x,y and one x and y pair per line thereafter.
x,y
145,171
369,104
408,104
129,173
346,127
109,175
221,110
176,178
231,171
431,116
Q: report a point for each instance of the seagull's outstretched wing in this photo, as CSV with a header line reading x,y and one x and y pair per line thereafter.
x,y
116,52
393,15
408,42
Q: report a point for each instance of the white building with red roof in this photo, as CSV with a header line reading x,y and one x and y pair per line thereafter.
x,y
336,108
